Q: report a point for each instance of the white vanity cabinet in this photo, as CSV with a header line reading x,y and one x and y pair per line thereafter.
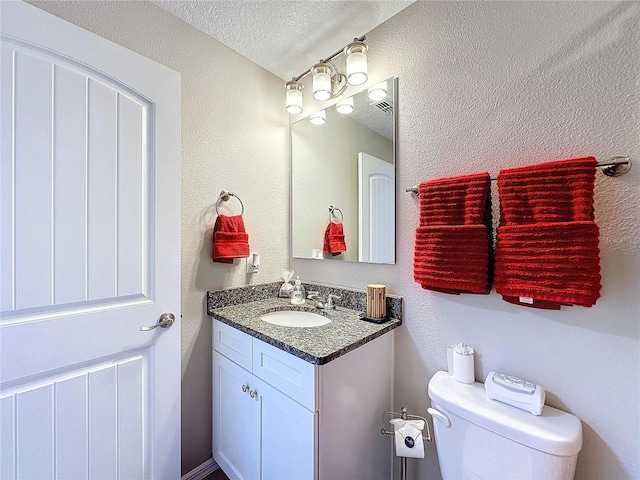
x,y
236,449
260,432
277,416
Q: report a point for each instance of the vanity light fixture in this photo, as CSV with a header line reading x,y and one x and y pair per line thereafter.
x,y
328,82
345,106
378,92
318,118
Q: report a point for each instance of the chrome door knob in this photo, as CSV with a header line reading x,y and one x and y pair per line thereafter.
x,y
165,321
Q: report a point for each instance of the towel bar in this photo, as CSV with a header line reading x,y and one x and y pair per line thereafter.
x,y
614,167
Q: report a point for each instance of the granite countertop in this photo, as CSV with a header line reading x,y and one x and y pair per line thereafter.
x,y
317,345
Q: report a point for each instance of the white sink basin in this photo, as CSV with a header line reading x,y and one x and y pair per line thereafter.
x,y
294,318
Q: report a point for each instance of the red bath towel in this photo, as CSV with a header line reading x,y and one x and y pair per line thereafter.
x,y
230,240
334,242
547,252
452,243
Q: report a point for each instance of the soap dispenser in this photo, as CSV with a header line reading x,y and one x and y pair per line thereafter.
x,y
298,293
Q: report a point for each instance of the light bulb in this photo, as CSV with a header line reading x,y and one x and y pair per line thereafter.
x,y
293,97
356,63
321,81
378,92
318,118
345,106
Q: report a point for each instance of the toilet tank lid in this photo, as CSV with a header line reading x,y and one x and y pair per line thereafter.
x,y
555,432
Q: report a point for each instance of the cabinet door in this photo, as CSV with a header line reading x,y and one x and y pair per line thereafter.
x,y
288,442
236,446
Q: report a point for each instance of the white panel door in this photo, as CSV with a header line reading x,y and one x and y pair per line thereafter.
x,y
376,217
89,253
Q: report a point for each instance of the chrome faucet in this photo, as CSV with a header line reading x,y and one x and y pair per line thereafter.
x,y
330,306
317,300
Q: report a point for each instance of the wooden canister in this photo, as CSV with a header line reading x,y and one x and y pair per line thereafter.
x,y
376,301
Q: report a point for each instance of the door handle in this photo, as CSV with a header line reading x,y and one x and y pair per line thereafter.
x,y
253,393
165,321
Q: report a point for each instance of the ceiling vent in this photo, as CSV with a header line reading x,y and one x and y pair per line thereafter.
x,y
386,106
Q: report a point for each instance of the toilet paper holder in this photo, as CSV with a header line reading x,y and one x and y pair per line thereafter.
x,y
404,415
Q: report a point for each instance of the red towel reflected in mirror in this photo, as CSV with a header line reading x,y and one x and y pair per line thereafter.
x,y
334,242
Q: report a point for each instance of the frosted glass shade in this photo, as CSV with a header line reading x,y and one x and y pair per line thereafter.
x,y
294,101
318,118
378,92
345,106
357,68
322,86
293,97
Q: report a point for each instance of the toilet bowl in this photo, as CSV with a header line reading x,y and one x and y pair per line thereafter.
x,y
479,438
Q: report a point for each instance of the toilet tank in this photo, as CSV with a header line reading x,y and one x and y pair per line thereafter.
x,y
479,438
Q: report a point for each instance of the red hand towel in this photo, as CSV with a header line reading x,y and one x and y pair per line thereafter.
x,y
230,240
452,243
454,200
547,251
334,241
452,258
560,191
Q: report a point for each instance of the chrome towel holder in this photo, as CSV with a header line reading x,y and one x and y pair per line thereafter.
x,y
332,212
224,196
614,167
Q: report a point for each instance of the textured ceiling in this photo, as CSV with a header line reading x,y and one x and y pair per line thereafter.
x,y
284,37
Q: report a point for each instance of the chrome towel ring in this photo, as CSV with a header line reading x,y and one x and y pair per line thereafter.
x,y
332,212
224,196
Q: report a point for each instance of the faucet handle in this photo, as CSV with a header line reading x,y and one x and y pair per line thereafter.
x,y
330,305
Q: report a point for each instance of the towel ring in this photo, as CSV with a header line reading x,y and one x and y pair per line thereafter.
x,y
224,196
332,211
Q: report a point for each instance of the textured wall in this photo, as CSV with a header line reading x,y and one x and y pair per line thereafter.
x,y
484,86
234,137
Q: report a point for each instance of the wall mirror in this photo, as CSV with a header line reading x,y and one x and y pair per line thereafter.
x,y
343,179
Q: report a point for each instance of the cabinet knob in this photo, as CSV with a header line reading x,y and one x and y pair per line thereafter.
x,y
245,388
253,393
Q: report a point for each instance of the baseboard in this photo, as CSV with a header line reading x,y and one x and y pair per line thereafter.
x,y
202,470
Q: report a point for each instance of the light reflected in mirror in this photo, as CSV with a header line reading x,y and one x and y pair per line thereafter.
x,y
347,162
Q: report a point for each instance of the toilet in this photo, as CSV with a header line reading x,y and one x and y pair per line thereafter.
x,y
479,438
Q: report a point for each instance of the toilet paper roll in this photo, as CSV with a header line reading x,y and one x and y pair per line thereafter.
x,y
463,368
408,437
